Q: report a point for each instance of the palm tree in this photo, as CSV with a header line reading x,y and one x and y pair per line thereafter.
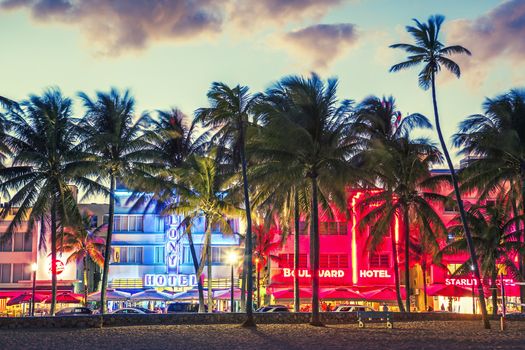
x,y
83,241
423,250
4,149
42,138
121,149
312,136
400,166
229,116
202,191
431,52
495,142
267,241
496,241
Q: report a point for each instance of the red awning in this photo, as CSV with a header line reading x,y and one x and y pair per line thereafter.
x,y
449,291
26,298
288,293
341,293
383,294
66,298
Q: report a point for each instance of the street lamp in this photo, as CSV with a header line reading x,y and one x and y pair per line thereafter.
x,y
232,260
34,266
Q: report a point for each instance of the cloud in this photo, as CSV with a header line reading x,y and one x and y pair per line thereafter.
x,y
250,13
499,34
320,44
116,26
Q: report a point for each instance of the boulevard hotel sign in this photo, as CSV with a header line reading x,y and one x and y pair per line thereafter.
x,y
173,257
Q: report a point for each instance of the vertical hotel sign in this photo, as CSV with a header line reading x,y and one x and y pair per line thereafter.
x,y
173,248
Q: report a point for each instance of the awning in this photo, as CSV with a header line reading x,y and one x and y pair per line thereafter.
x,y
111,295
383,294
341,293
288,293
152,294
449,291
226,294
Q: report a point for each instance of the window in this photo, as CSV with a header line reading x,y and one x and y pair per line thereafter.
x,y
452,268
6,244
216,254
303,228
5,273
186,255
131,255
287,260
23,242
336,261
128,223
21,272
335,228
159,255
379,260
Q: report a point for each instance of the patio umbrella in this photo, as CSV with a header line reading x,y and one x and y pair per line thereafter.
x,y
26,298
448,291
151,294
111,295
341,293
192,294
383,294
288,293
66,298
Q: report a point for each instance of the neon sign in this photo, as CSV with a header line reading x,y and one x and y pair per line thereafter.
x,y
59,267
151,280
469,282
374,274
305,273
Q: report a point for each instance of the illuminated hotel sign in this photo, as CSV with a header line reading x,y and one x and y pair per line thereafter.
x,y
151,280
374,274
172,249
322,273
469,282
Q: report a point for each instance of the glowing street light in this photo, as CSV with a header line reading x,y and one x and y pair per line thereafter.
x,y
34,267
232,258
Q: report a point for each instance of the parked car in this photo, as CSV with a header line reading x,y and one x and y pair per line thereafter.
x,y
73,311
273,308
133,310
352,308
183,307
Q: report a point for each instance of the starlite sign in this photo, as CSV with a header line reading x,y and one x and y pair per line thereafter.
x,y
469,282
174,280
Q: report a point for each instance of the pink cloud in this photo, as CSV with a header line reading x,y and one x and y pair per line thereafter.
x,y
321,44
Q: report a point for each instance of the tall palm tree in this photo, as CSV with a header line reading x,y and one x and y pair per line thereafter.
x,y
434,55
229,116
400,166
45,162
202,191
423,249
313,137
495,142
4,149
83,241
122,151
496,240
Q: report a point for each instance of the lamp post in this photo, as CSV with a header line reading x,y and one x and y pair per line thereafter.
x,y
33,268
232,259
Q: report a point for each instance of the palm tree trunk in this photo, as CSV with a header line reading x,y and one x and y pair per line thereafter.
x,y
53,257
197,272
468,236
314,255
494,292
107,253
296,296
424,270
249,322
243,288
85,276
209,267
396,273
406,227
521,257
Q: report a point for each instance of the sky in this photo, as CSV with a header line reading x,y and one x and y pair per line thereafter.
x,y
169,52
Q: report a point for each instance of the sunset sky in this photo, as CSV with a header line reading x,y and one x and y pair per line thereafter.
x,y
168,52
